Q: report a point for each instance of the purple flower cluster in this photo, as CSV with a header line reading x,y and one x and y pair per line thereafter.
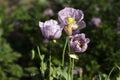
x,y
71,20
48,12
95,21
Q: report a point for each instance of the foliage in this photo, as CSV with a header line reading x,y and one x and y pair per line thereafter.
x,y
20,33
9,69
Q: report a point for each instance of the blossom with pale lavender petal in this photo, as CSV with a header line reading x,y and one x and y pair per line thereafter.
x,y
95,21
71,19
79,43
49,12
46,41
118,21
78,72
50,29
118,32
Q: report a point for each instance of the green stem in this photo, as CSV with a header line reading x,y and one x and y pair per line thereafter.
x,y
50,61
50,67
42,59
69,71
118,67
110,73
39,51
63,54
72,68
99,77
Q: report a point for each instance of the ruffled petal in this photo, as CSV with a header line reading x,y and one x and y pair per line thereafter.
x,y
78,48
41,25
78,15
58,33
81,25
79,42
83,49
68,12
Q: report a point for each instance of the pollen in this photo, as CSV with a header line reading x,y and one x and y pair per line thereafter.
x,y
70,20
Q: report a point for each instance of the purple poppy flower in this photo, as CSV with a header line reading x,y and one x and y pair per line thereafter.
x,y
75,72
79,43
71,19
95,21
46,41
50,29
78,72
118,32
118,21
49,12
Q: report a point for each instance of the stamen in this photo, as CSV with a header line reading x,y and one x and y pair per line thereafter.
x,y
72,23
73,26
70,20
80,43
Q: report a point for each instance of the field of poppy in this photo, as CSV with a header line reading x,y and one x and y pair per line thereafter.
x,y
59,40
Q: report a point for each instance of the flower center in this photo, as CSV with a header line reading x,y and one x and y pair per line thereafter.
x,y
80,43
72,23
71,20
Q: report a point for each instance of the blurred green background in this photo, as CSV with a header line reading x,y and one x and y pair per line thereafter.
x,y
20,33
